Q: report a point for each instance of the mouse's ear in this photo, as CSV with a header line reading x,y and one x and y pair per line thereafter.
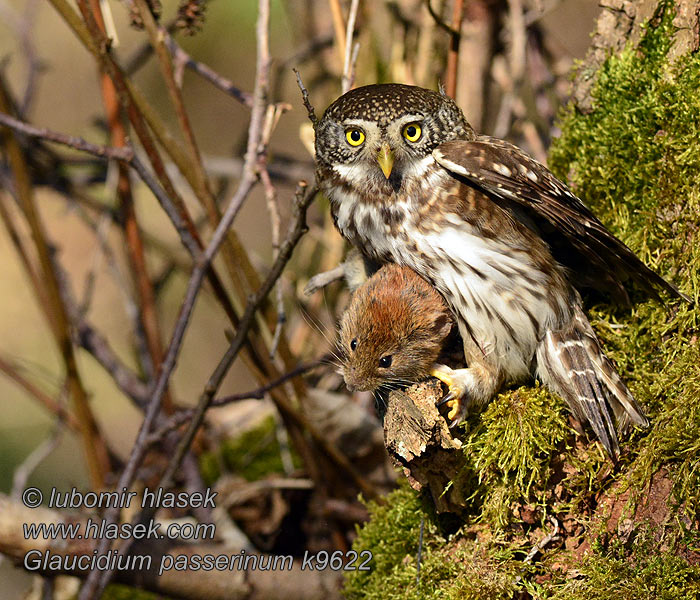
x,y
443,325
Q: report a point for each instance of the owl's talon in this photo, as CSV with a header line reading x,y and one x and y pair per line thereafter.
x,y
455,394
446,399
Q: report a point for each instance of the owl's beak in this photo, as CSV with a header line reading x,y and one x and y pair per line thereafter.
x,y
385,158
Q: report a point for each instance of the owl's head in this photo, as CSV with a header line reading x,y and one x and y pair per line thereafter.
x,y
386,131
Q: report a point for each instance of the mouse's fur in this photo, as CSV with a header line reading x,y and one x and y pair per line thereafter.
x,y
396,314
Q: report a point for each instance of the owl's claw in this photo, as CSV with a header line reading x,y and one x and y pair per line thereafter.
x,y
455,395
445,399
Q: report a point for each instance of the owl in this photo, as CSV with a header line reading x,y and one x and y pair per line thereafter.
x,y
496,233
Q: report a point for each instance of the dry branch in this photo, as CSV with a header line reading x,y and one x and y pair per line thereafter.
x,y
52,405
93,444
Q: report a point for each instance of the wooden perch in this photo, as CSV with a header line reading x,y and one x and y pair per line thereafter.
x,y
418,440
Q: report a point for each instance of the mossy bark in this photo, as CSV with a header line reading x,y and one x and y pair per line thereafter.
x,y
548,515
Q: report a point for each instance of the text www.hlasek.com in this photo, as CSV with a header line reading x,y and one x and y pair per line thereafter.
x,y
97,530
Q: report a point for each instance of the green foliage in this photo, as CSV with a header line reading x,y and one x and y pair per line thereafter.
x,y
635,160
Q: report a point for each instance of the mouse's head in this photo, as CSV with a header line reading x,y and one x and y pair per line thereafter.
x,y
393,330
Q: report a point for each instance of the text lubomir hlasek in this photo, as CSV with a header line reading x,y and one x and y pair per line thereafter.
x,y
158,498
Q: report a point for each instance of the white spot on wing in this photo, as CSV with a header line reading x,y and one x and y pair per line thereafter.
x,y
448,164
502,169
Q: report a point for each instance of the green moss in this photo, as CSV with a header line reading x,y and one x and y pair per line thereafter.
x,y
636,161
253,454
674,441
510,447
209,467
639,573
118,591
446,571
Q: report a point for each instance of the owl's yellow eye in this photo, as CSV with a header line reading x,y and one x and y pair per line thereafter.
x,y
354,137
412,132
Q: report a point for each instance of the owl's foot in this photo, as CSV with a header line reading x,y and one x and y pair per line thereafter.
x,y
455,398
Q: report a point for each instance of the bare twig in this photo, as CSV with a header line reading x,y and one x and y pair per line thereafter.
x,y
124,154
350,53
541,545
34,459
338,27
297,228
272,116
157,35
146,321
439,22
453,52
141,55
94,584
23,27
93,342
28,264
93,444
55,407
305,97
140,113
219,81
96,581
274,212
185,416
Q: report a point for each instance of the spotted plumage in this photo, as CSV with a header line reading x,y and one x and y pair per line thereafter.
x,y
504,242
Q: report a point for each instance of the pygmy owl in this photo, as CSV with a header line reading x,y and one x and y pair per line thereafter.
x,y
500,237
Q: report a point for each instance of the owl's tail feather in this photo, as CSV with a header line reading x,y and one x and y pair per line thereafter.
x,y
571,363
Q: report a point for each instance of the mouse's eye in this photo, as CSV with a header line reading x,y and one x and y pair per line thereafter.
x,y
385,361
353,344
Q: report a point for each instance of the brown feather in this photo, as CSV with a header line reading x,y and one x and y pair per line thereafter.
x,y
505,172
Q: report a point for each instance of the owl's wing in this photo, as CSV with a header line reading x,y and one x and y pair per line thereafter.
x,y
509,175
